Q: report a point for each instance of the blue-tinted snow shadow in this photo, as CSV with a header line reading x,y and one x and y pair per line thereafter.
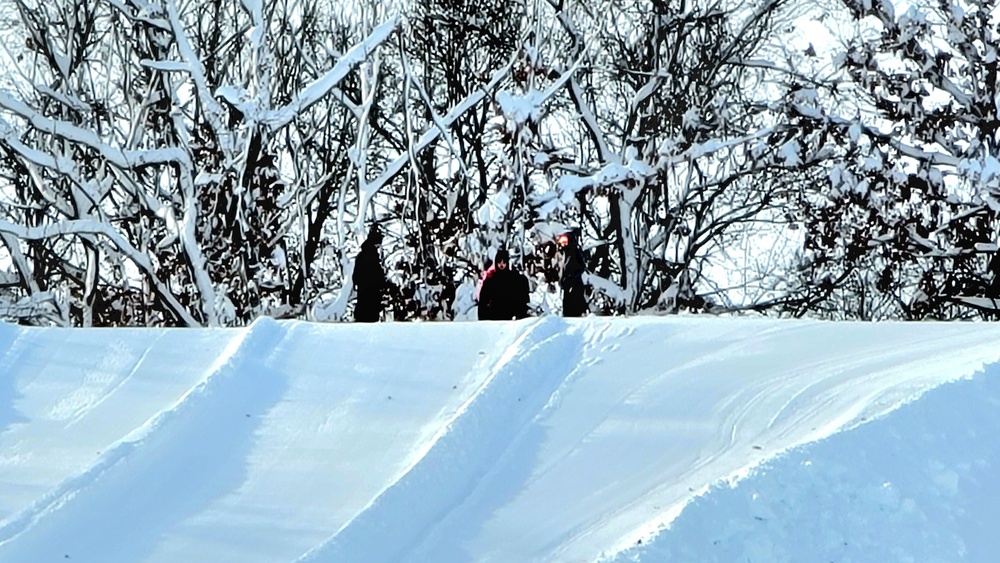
x,y
546,369
481,463
120,509
9,335
919,484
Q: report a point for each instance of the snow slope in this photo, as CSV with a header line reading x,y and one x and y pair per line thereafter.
x,y
642,439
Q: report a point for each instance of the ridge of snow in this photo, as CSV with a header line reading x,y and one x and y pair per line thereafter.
x,y
542,439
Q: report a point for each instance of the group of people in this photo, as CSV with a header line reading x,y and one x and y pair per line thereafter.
x,y
503,292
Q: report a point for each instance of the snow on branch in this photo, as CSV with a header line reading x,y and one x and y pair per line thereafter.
x,y
121,158
429,136
20,261
922,155
436,119
616,174
86,227
575,91
521,109
213,110
608,288
65,99
319,88
528,107
40,158
189,240
144,9
166,66
590,120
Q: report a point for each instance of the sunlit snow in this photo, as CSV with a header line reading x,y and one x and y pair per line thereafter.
x,y
596,439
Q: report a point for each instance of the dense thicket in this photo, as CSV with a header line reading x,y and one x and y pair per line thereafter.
x,y
908,218
205,163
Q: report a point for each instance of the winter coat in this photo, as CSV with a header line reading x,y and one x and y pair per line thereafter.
x,y
993,288
571,281
504,295
369,281
482,279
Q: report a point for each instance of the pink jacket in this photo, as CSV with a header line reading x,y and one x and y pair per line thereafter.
x,y
482,278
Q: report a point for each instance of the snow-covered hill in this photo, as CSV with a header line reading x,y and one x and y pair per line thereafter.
x,y
648,439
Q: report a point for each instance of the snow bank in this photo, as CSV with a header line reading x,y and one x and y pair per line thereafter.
x,y
539,440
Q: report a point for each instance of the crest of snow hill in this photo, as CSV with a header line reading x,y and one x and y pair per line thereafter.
x,y
204,164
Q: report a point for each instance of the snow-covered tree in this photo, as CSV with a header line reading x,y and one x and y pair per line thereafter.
x,y
206,163
910,217
660,129
153,156
451,59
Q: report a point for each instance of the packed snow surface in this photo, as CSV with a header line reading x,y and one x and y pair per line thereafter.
x,y
596,439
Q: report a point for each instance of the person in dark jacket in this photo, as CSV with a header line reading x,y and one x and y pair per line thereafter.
x,y
993,288
571,279
504,294
369,279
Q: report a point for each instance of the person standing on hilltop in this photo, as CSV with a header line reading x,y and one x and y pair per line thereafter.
x,y
571,279
369,279
504,293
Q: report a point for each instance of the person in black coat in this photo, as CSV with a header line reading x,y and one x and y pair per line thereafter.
x,y
369,279
505,292
571,280
993,288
